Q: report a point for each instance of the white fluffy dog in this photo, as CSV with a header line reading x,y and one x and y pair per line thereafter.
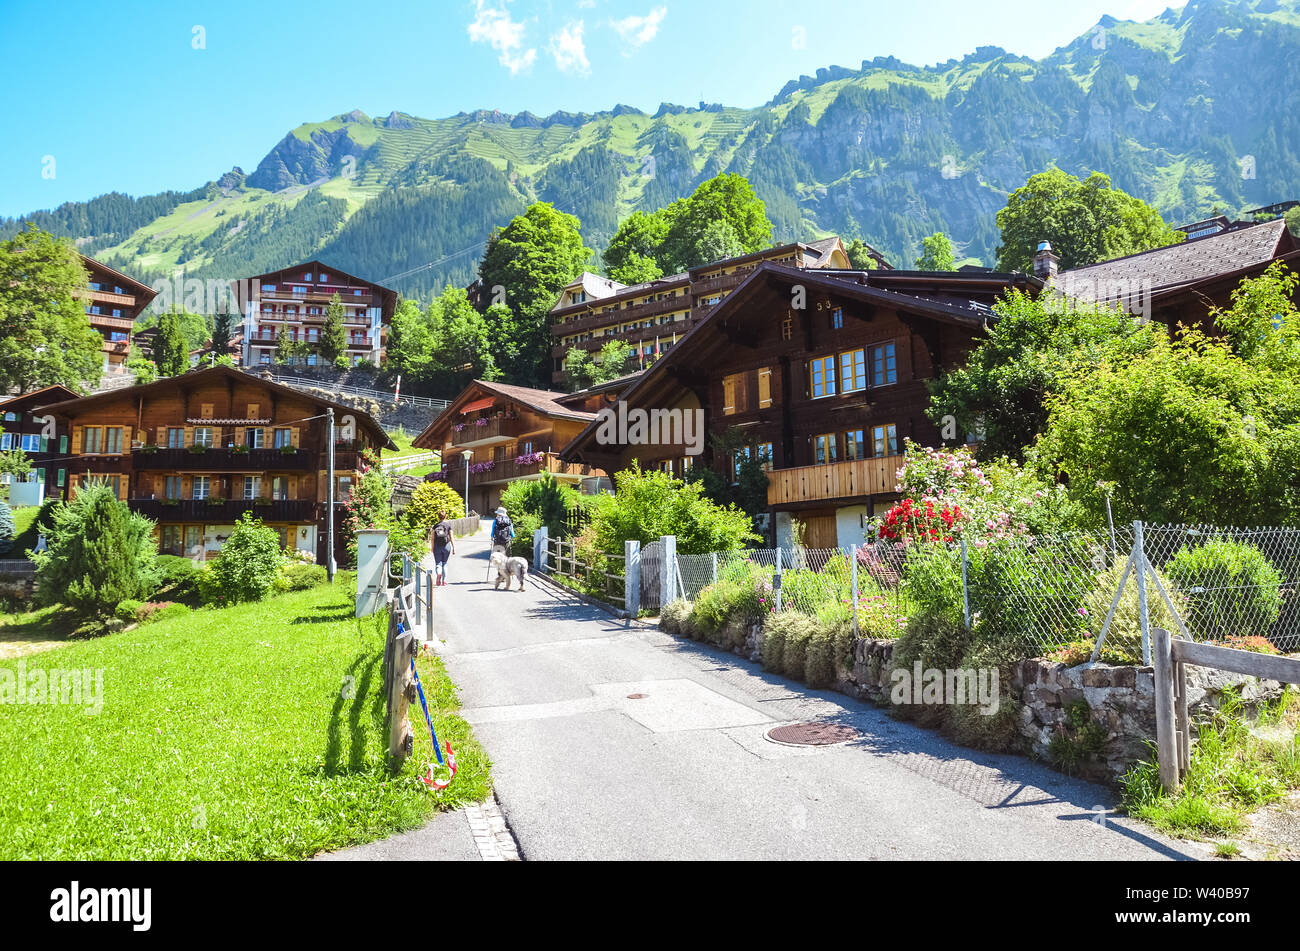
x,y
506,568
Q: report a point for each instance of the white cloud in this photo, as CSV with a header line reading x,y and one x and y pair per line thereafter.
x,y
569,49
638,31
493,25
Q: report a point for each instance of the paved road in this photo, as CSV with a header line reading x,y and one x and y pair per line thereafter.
x,y
584,772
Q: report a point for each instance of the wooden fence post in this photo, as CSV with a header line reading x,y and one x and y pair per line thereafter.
x,y
1167,752
401,688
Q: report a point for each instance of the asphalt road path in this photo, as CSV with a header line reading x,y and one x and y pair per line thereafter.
x,y
583,770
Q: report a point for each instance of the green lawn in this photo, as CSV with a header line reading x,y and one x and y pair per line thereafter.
x,y
24,531
404,447
252,732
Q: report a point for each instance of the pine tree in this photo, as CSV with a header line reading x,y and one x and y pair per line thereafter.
x,y
334,338
171,349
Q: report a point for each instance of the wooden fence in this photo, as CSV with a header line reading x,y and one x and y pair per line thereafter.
x,y
562,561
409,611
1170,657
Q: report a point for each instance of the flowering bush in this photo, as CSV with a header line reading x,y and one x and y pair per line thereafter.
x,y
911,520
947,494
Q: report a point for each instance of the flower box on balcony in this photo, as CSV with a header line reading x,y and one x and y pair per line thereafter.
x,y
148,449
198,450
170,501
288,450
216,500
242,450
262,500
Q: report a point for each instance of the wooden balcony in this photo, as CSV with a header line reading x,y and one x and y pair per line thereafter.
x,y
222,460
836,481
497,429
207,511
508,470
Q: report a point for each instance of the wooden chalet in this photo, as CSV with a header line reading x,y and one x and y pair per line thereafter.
x,y
113,302
512,433
824,395
1181,283
296,299
39,435
195,452
653,316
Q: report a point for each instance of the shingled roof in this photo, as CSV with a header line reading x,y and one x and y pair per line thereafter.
x,y
1180,264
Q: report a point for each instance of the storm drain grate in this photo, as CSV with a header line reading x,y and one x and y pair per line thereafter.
x,y
812,734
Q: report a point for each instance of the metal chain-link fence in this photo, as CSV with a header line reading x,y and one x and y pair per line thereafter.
x,y
1097,593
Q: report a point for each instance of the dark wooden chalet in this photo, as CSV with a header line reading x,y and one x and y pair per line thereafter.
x,y
503,433
39,435
195,452
824,394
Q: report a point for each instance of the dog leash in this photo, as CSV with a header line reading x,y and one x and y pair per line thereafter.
x,y
450,763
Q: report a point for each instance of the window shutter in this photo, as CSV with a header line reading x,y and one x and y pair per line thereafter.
x,y
126,439
162,436
293,487
216,436
205,410
254,411
293,437
241,437
157,487
764,388
188,439
122,486
187,487
728,395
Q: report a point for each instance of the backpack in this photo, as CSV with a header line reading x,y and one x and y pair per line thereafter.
x,y
440,533
501,533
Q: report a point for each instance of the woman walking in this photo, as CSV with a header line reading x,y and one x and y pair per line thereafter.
x,y
443,544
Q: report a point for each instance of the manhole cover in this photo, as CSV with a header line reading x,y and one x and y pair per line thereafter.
x,y
812,734
636,696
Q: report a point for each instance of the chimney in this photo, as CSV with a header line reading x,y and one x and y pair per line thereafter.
x,y
1046,264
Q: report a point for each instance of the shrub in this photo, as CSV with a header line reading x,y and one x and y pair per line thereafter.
x,y
161,611
525,526
1027,593
1126,629
932,581
296,576
179,577
7,528
779,630
828,647
249,561
128,610
100,554
673,616
649,505
1232,589
428,501
723,610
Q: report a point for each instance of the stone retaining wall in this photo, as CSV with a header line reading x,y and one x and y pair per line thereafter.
x,y
1120,701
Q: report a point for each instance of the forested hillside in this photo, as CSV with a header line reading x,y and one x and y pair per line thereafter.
x,y
1191,111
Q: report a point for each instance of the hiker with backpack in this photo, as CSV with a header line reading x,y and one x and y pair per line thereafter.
x,y
443,544
503,532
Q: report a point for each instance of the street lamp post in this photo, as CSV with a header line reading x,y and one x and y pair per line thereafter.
x,y
467,455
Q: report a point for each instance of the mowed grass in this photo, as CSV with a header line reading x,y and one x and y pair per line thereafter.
x,y
252,732
25,533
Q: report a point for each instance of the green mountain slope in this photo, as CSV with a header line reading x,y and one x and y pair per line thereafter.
x,y
1192,110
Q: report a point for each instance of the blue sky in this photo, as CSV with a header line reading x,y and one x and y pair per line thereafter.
x,y
142,97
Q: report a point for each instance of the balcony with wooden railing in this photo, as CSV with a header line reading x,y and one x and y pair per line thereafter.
x,y
510,468
496,429
218,459
226,511
855,479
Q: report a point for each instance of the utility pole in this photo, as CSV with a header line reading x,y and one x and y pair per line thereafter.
x,y
329,435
